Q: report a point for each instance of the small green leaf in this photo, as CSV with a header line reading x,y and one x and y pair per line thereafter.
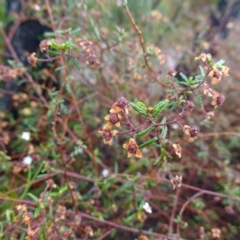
x,y
157,160
9,215
164,128
33,197
139,108
68,88
141,105
148,143
1,229
158,108
63,108
219,63
97,33
36,212
202,70
59,68
75,63
184,225
145,131
200,99
164,132
75,31
184,77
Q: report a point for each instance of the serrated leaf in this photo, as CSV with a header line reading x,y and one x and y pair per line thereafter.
x,y
164,128
145,131
141,105
164,132
148,143
158,108
139,109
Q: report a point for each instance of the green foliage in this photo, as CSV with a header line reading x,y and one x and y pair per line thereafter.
x,y
140,108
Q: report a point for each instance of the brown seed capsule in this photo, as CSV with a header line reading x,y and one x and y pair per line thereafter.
x,y
113,118
107,134
193,131
189,105
132,148
217,74
220,100
91,59
122,102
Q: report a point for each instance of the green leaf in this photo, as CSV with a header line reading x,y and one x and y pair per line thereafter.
x,y
1,230
9,215
75,63
184,77
141,105
148,143
182,83
96,32
145,131
164,128
67,88
200,99
37,211
202,70
158,108
59,68
219,63
33,197
140,108
63,108
157,160
75,31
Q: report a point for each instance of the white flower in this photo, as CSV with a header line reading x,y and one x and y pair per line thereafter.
x,y
80,150
105,173
36,7
26,136
27,160
147,207
175,126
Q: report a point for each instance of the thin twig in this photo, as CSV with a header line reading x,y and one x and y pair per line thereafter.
x,y
139,32
129,229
